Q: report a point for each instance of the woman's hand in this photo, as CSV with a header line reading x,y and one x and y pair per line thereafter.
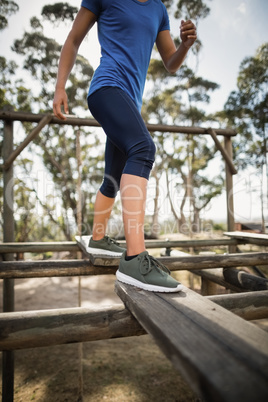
x,y
60,99
83,22
188,33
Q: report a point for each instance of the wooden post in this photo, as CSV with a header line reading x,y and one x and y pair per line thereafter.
x,y
229,191
208,288
8,284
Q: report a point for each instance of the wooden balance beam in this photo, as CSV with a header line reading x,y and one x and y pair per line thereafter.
x,y
223,357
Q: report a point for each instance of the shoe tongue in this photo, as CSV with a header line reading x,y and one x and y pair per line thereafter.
x,y
143,253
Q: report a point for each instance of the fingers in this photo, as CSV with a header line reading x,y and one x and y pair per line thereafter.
x,y
188,32
185,25
60,99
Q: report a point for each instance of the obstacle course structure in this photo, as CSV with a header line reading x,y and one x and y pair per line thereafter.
x,y
221,355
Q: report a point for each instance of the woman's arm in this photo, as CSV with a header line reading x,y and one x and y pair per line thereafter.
x,y
172,57
83,22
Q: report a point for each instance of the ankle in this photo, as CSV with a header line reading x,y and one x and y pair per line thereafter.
x,y
97,237
130,257
135,251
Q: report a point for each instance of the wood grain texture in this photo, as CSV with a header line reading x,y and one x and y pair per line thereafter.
x,y
223,357
30,329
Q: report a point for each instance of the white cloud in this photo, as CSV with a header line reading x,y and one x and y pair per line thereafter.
x,y
242,8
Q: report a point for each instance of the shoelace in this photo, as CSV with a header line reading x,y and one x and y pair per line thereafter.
x,y
148,262
111,241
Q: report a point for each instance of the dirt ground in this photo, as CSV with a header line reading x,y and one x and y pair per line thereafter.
x,y
128,369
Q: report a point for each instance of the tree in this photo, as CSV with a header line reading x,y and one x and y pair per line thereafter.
x,y
55,145
178,99
247,110
7,8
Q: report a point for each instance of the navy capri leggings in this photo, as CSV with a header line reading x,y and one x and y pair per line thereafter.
x,y
129,146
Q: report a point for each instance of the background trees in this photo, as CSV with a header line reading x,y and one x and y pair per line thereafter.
x,y
182,176
55,147
247,110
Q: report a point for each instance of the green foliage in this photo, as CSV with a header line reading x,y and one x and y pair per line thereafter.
x,y
178,99
246,109
55,145
55,13
7,69
192,9
7,8
41,55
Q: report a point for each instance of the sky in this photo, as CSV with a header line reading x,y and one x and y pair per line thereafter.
x,y
233,30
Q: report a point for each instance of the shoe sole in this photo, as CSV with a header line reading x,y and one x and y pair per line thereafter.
x,y
100,251
151,288
84,240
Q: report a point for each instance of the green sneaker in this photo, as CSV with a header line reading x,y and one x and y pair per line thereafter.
x,y
105,246
145,272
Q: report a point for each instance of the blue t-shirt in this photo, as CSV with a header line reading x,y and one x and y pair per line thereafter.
x,y
127,31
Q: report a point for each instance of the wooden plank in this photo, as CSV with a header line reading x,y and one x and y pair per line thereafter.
x,y
223,357
48,268
38,247
103,266
42,247
250,305
246,235
192,262
252,238
31,329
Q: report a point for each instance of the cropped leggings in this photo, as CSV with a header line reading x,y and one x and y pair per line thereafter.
x,y
129,146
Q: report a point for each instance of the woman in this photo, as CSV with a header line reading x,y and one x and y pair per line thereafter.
x,y
127,31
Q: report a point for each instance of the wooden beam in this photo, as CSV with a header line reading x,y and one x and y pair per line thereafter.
x,y
234,279
42,247
9,236
192,262
251,238
42,123
216,275
244,280
49,268
225,155
76,121
223,357
31,329
229,190
250,305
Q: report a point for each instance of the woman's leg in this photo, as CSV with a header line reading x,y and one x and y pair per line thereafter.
x,y
133,195
102,211
114,165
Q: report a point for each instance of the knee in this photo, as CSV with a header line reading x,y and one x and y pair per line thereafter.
x,y
144,152
110,186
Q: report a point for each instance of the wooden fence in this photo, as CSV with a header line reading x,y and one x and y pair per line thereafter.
x,y
30,329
